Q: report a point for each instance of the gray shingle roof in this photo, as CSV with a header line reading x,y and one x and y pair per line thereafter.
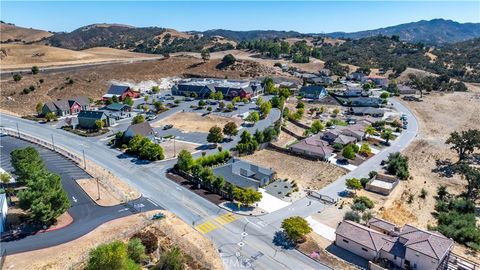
x,y
91,114
117,89
144,129
243,174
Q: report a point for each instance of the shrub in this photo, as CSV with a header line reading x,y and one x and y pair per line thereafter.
x,y
110,256
337,146
229,59
365,201
136,250
423,193
364,181
171,260
355,148
352,215
296,228
372,174
360,207
348,152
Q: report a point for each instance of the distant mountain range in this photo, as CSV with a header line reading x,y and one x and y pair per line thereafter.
x,y
437,31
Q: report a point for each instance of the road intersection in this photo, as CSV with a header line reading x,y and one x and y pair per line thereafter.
x,y
244,242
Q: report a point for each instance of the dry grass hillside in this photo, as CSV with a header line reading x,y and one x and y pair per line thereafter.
x,y
438,115
25,56
15,33
94,81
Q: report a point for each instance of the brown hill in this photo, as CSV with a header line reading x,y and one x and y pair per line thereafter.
x,y
13,33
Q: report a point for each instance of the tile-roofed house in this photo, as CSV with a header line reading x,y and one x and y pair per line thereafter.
x,y
120,91
313,146
377,80
406,247
344,140
406,90
244,174
313,92
143,129
64,107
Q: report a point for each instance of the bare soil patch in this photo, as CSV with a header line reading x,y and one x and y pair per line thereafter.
x,y
284,139
25,56
171,148
107,198
195,122
170,230
93,82
307,173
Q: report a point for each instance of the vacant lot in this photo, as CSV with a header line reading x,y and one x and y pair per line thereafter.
x,y
195,122
170,149
107,197
72,255
26,56
308,174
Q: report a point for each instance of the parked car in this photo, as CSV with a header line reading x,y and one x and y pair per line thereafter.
x,y
151,117
405,126
212,146
158,216
169,126
189,99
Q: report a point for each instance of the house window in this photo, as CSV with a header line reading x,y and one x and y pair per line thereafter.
x,y
364,249
346,241
395,257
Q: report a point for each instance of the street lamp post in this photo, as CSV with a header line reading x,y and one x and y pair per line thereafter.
x,y
53,144
18,130
84,160
98,189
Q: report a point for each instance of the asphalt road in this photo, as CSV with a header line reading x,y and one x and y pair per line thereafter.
x,y
86,214
245,242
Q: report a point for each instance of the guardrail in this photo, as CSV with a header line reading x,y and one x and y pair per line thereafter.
x,y
52,146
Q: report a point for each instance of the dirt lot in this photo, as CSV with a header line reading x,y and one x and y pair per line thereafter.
x,y
93,82
25,56
71,255
195,122
308,174
107,197
284,139
169,149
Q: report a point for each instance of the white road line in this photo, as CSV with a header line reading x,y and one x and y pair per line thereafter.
x,y
152,202
73,198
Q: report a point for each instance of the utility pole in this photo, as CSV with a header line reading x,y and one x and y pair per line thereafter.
x,y
84,160
174,149
98,189
53,144
18,130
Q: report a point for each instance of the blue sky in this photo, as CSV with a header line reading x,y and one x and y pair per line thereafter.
x,y
306,17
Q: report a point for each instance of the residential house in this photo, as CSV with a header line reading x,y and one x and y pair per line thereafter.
x,y
143,129
357,76
313,146
121,92
344,135
203,88
325,72
87,119
407,247
313,92
118,110
379,81
3,211
63,107
363,111
364,102
244,174
344,140
322,80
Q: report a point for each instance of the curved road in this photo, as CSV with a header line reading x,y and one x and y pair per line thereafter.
x,y
86,214
246,242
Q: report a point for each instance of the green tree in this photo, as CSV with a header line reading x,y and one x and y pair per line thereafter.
x,y
387,135
39,108
113,255
171,260
136,250
185,160
17,77
35,70
155,89
99,124
296,228
246,196
265,108
259,101
219,183
472,177
348,152
215,135
253,117
218,95
5,178
138,119
365,150
235,100
229,59
205,55
353,184
158,106
397,165
370,130
464,143
316,127
230,107
129,101
115,99
230,129
384,95
26,162
51,116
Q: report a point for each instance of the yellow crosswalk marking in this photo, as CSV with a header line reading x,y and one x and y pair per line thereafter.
x,y
206,227
225,219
